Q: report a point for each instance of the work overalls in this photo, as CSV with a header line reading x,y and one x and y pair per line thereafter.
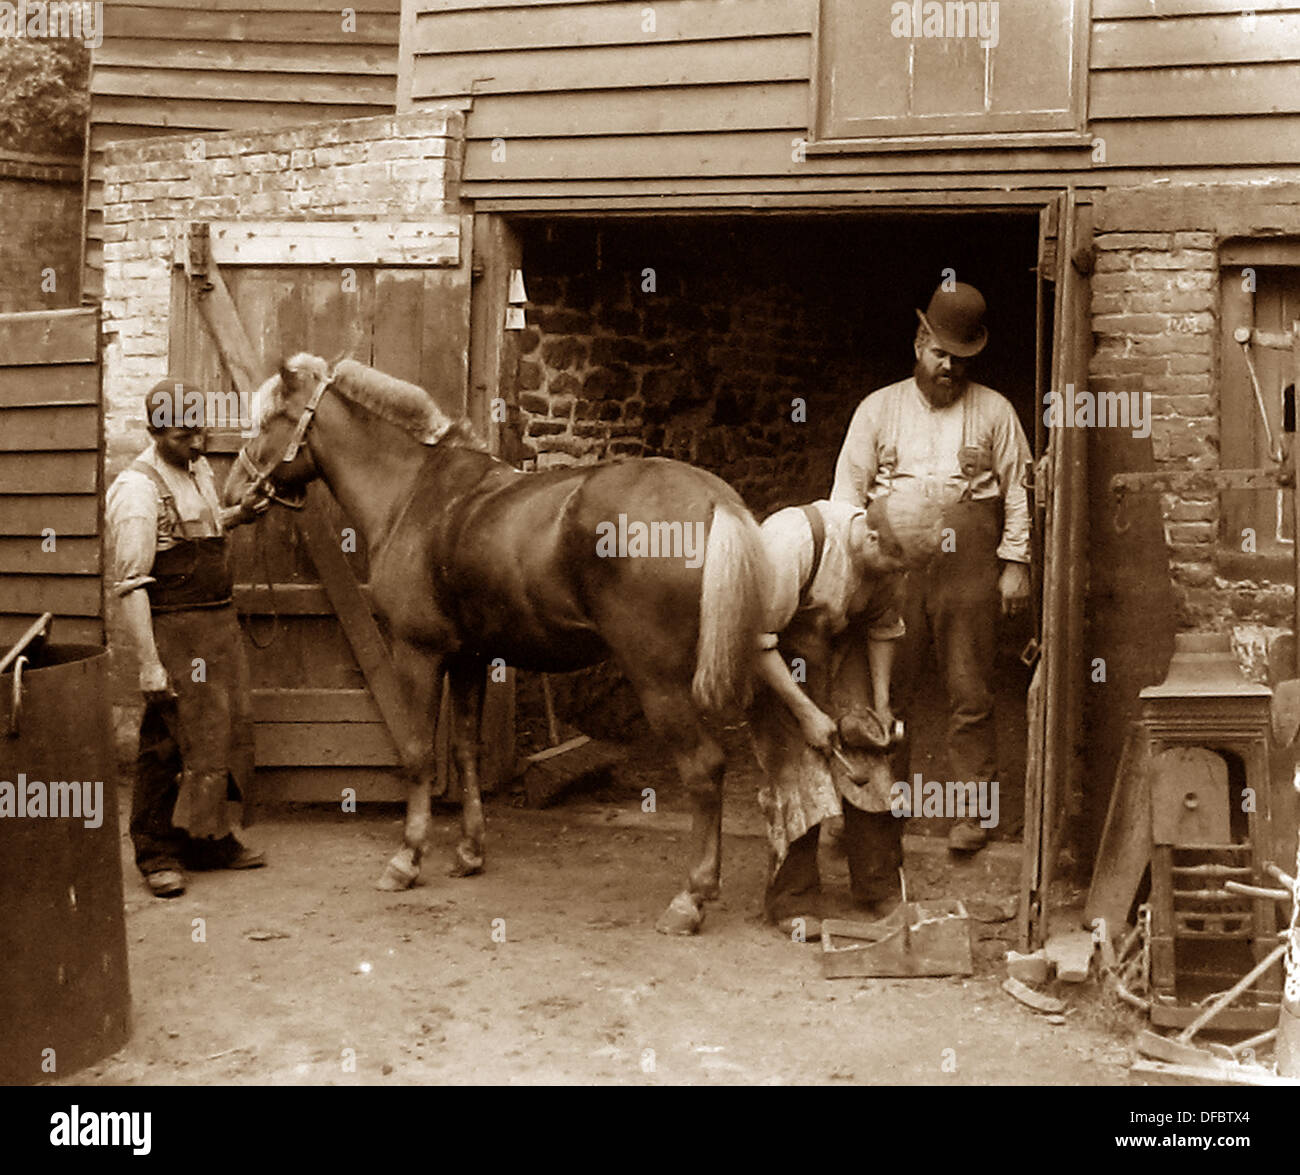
x,y
196,749
954,603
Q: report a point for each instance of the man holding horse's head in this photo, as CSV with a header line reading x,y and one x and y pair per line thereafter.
x,y
172,576
822,723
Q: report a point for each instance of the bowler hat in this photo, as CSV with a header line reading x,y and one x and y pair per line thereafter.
x,y
955,317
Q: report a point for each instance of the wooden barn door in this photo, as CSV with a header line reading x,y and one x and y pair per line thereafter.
x,y
329,711
51,475
1053,781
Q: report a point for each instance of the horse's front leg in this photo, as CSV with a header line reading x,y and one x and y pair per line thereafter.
x,y
467,709
420,673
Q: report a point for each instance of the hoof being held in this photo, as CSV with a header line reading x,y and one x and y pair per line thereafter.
x,y
683,916
400,873
467,862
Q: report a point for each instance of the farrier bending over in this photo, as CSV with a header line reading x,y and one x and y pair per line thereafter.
x,y
836,612
962,445
172,576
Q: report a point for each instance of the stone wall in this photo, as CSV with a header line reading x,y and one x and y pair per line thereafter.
x,y
399,168
686,342
1156,318
40,242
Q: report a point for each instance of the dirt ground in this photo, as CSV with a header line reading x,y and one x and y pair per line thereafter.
x,y
546,968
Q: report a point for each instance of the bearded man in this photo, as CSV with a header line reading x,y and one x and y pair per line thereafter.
x,y
961,445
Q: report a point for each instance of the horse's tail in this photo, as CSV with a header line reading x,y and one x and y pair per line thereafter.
x,y
733,599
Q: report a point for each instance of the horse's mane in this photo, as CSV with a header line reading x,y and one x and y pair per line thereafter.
x,y
404,404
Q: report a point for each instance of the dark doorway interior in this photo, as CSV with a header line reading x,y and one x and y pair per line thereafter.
x,y
695,337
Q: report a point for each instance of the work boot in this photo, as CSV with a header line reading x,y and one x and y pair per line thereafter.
x,y
966,836
165,883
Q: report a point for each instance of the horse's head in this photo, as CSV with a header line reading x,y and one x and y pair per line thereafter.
x,y
278,459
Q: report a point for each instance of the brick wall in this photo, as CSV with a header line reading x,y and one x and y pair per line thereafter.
x,y
399,168
711,366
1156,320
40,243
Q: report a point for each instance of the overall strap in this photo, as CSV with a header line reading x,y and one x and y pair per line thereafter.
x,y
159,484
818,526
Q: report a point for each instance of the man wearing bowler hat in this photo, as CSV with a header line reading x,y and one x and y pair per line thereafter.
x,y
961,444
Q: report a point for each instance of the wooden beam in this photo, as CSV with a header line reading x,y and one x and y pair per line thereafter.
x,y
431,242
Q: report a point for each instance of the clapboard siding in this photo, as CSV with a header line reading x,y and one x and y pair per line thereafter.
x,y
178,66
50,473
576,98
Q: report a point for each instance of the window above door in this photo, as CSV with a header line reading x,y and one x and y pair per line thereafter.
x,y
979,73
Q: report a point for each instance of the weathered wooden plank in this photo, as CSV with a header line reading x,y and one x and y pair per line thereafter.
x,y
430,242
124,22
66,630
754,153
740,107
103,132
1197,40
398,330
69,382
70,556
180,9
422,6
155,53
33,514
325,785
1179,93
220,115
48,473
70,595
770,59
621,23
343,89
217,309
285,599
48,336
315,705
444,337
330,744
1117,9
49,427
1266,139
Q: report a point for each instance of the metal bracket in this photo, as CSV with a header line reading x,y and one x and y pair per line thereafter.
x,y
1192,481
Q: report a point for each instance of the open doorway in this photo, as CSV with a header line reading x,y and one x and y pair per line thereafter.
x,y
693,337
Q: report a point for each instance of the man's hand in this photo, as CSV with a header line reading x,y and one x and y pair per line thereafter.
x,y
153,681
1013,587
819,730
249,508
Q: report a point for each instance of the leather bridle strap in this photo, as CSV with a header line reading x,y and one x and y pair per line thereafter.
x,y
291,450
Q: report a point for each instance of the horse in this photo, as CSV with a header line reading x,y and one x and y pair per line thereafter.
x,y
472,559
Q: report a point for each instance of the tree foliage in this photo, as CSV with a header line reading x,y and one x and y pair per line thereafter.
x,y
44,94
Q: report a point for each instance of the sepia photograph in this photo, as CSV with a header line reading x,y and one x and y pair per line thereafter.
x,y
649,543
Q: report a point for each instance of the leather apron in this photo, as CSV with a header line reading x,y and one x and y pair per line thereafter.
x,y
201,647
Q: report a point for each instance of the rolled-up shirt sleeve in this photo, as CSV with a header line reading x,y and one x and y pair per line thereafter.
x,y
787,539
131,512
1011,456
855,470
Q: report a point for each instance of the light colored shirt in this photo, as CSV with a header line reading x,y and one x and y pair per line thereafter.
x,y
141,526
840,588
974,447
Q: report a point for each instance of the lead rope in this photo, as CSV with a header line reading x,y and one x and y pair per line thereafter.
x,y
259,549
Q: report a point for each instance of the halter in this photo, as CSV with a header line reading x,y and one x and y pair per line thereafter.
x,y
262,479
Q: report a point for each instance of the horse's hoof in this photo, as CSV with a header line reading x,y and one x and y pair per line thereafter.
x,y
400,873
683,916
466,863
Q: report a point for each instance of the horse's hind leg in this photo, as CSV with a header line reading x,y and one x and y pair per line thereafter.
x,y
421,677
467,710
700,763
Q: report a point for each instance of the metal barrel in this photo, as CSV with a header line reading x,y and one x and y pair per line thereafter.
x,y
65,998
